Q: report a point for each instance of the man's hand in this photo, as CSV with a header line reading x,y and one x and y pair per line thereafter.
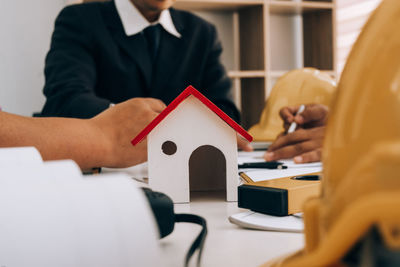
x,y
314,115
119,124
243,144
305,144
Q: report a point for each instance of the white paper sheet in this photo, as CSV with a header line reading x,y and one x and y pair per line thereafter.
x,y
254,156
267,174
138,171
254,220
264,174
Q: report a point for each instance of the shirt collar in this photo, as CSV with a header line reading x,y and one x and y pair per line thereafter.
x,y
134,22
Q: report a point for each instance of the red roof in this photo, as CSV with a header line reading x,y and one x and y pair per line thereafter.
x,y
186,93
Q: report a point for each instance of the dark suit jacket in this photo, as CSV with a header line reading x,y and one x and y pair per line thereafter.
x,y
92,63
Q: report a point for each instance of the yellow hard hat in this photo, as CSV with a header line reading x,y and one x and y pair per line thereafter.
x,y
296,87
361,154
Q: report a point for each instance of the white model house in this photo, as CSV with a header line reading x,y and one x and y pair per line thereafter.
x,y
192,141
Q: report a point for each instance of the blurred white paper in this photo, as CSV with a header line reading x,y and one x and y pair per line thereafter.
x,y
254,156
138,171
20,155
53,216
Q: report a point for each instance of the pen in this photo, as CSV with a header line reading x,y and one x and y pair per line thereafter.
x,y
294,125
262,165
245,178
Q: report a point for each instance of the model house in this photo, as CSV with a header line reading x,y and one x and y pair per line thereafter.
x,y
192,145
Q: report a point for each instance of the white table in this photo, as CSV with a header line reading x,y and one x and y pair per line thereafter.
x,y
226,243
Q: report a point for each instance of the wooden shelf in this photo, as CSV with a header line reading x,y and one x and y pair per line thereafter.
x,y
280,7
290,7
252,55
246,74
215,4
279,73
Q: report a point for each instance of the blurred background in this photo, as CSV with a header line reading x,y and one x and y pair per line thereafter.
x,y
262,40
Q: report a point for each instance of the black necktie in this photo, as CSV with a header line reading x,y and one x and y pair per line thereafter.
x,y
153,36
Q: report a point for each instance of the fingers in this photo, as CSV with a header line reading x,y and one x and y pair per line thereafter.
x,y
156,104
292,150
312,156
314,114
295,144
292,138
140,104
243,144
287,114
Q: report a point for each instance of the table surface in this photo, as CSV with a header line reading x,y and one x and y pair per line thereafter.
x,y
226,243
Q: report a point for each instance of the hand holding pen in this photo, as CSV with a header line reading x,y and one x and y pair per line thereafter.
x,y
305,142
293,125
304,116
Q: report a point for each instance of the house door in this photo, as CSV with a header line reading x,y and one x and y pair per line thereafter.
x,y
207,169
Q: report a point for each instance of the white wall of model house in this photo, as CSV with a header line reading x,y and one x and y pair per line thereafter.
x,y
190,126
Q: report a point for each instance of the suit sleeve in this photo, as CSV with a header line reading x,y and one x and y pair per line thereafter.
x,y
70,70
216,81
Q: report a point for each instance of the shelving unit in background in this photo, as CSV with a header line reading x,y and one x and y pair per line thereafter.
x,y
268,38
263,39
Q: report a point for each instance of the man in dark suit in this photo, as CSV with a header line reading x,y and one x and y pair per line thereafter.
x,y
105,53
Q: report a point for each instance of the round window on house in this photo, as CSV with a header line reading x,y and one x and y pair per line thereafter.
x,y
169,148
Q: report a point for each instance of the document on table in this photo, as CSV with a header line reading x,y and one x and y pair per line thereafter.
x,y
139,172
267,174
254,220
255,156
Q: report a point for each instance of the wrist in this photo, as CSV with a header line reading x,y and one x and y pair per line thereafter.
x,y
103,152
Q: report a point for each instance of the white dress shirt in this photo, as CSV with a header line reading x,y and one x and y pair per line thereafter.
x,y
134,22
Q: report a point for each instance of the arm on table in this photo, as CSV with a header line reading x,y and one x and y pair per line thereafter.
x,y
103,141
